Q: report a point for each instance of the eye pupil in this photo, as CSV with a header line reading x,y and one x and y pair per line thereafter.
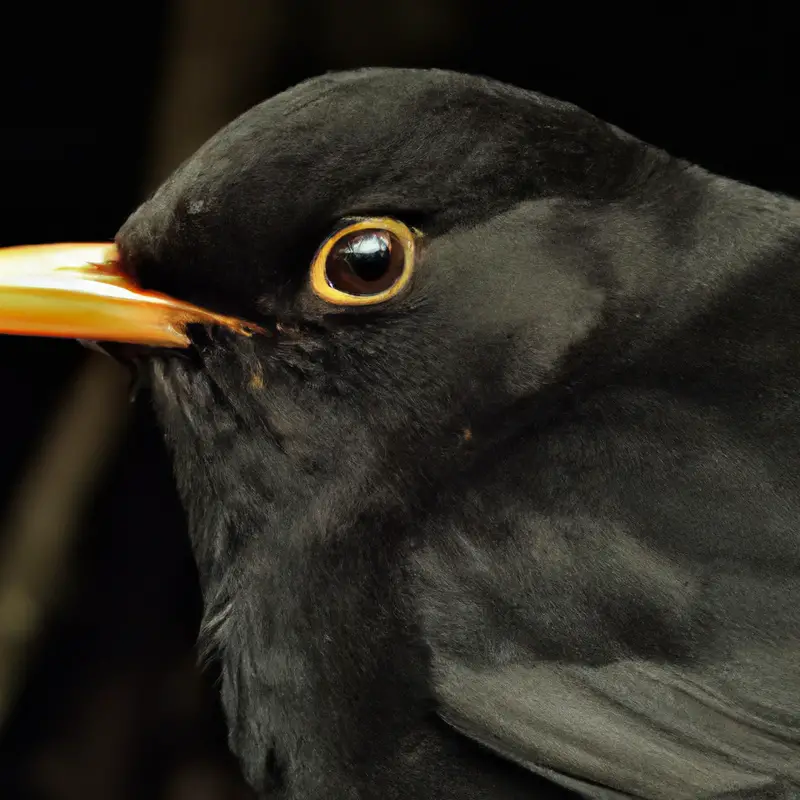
x,y
365,262
367,254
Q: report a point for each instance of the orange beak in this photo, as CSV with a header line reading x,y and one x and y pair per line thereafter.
x,y
79,291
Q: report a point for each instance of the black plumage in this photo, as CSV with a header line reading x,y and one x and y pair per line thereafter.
x,y
536,516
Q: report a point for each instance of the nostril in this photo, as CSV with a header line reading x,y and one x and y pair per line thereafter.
x,y
126,266
138,264
127,269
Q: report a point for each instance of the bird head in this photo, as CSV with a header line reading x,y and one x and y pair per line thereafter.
x,y
352,290
370,309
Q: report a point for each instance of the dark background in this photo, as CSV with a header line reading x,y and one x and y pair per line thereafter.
x,y
99,104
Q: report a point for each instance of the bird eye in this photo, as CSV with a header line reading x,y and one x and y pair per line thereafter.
x,y
365,263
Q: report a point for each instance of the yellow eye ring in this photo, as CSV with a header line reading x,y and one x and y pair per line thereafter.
x,y
365,263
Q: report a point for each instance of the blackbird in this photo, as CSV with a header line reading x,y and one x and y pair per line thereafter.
x,y
485,416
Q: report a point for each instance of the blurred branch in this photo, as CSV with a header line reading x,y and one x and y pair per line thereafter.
x,y
214,66
43,519
220,51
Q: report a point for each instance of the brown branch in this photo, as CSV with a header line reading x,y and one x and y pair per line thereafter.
x,y
43,519
217,57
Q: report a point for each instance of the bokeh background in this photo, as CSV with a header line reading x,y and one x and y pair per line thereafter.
x,y
100,698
